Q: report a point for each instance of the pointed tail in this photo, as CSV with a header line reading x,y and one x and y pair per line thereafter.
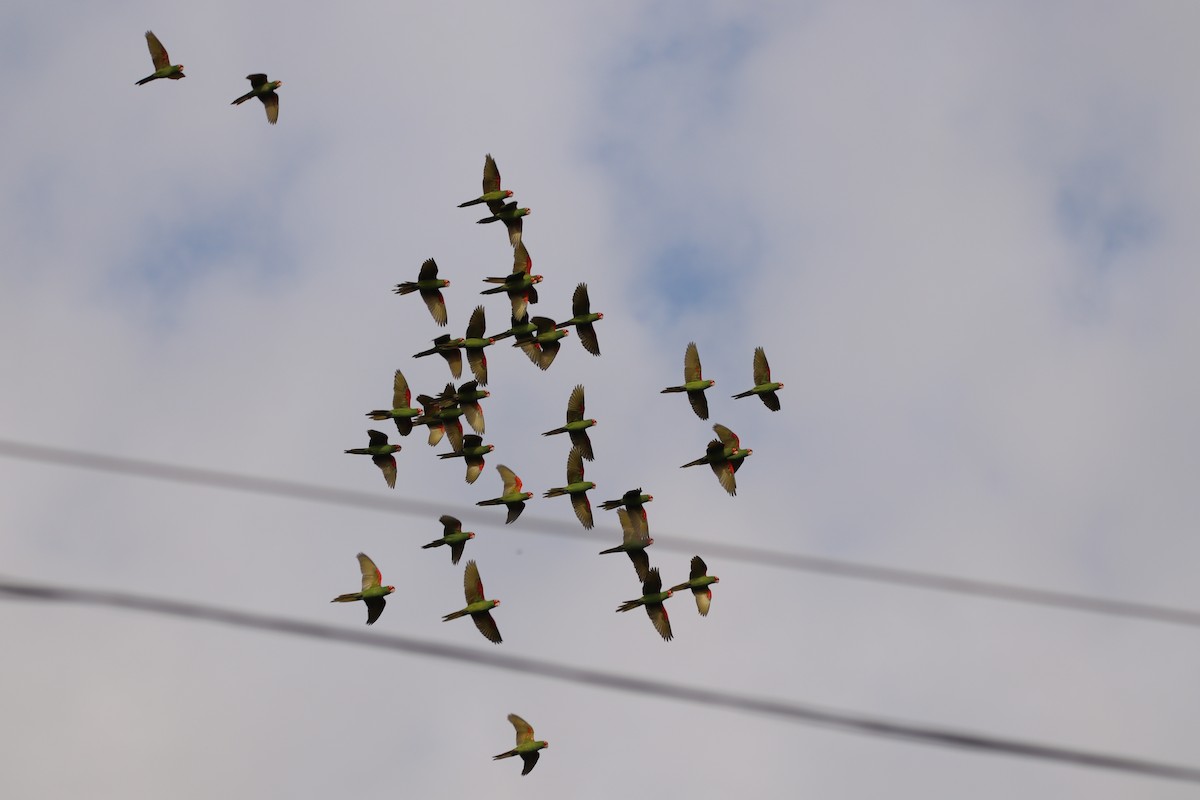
x,y
347,598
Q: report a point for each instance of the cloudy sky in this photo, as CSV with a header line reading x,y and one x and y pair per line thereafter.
x,y
965,235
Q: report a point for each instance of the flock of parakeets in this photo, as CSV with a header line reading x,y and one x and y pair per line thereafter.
x,y
538,337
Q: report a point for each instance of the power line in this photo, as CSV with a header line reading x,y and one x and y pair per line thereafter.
x,y
792,712
754,555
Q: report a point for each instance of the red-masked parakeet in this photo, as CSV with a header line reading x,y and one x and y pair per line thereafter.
x,y
373,592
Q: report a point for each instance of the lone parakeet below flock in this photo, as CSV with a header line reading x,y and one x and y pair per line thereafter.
x,y
582,318
635,539
373,592
401,412
163,68
430,286
479,608
652,598
576,487
693,382
699,581
381,453
452,535
576,425
763,386
491,185
527,748
513,497
264,90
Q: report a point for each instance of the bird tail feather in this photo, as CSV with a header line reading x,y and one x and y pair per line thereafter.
x,y
454,615
408,287
347,598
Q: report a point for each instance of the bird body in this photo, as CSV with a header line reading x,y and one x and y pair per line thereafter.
x,y
764,387
373,591
264,90
491,185
634,499
381,453
430,287
652,599
693,382
543,345
582,319
699,582
400,411
453,536
512,497
576,425
510,215
477,606
725,455
527,747
448,349
163,68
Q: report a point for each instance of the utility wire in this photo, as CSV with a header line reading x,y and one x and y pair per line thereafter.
x,y
791,712
755,555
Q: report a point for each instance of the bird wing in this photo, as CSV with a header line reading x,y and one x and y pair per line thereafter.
x,y
158,53
575,409
524,729
371,576
729,439
583,509
456,551
487,626
703,600
514,511
762,370
474,415
387,464
477,324
530,760
724,470
581,440
629,534
401,394
580,304
377,438
662,623
472,584
271,101
641,562
257,79
512,483
691,363
699,403
699,568
474,467
436,304
515,226
653,582
522,263
450,524
374,608
428,270
587,338
575,465
491,175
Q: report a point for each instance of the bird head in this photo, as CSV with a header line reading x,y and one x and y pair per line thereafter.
x,y
445,283
390,589
470,535
650,541
670,592
495,603
486,393
711,382
545,744
528,495
491,340
508,192
599,316
781,386
536,278
594,422
491,447
716,579
648,498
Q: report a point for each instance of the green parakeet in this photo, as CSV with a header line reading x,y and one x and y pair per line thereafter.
x,y
474,343
543,346
582,319
441,418
576,487
163,68
449,349
400,411
725,455
381,453
479,608
512,497
527,748
520,284
763,386
576,425
491,185
510,215
693,382
634,541
633,500
430,287
467,398
373,592
699,581
652,598
264,90
453,536
473,450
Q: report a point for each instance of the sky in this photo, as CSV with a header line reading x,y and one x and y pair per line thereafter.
x,y
964,234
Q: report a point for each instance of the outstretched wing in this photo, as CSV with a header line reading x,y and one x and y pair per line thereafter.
x,y
512,483
158,53
257,79
699,568
401,394
491,175
691,363
524,729
472,584
487,626
428,271
371,576
575,409
762,370
728,438
580,304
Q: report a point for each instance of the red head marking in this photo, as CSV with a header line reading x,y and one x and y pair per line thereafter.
x,y
650,541
599,316
495,603
470,535
391,588
670,593
716,579
508,192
